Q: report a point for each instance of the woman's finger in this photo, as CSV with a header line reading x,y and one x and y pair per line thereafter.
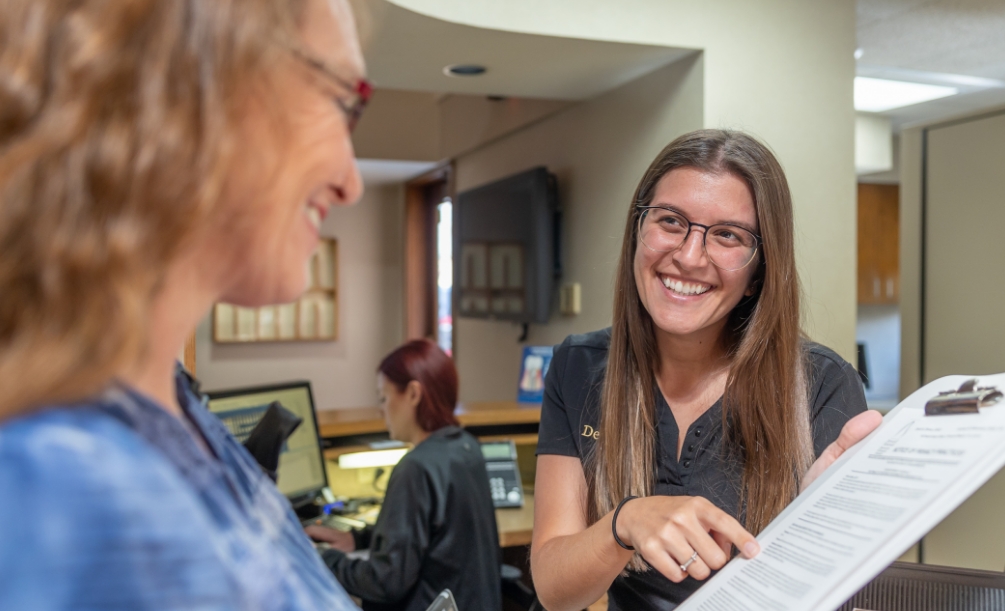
x,y
664,561
724,544
321,533
730,530
854,431
689,545
698,569
660,559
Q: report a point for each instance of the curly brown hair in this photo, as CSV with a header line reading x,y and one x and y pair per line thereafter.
x,y
116,121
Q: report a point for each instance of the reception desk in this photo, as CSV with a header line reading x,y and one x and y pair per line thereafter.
x,y
342,423
349,430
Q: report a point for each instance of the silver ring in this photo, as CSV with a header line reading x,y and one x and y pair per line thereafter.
x,y
689,562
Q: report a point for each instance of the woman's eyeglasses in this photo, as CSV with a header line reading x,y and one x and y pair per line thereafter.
x,y
360,90
728,247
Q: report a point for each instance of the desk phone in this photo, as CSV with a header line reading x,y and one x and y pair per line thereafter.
x,y
504,475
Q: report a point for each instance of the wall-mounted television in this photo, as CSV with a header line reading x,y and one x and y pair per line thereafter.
x,y
506,248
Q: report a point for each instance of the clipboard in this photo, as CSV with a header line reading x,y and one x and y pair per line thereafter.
x,y
444,601
965,400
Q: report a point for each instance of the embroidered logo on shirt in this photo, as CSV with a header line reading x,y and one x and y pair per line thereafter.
x,y
589,431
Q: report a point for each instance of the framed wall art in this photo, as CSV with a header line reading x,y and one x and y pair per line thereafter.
x,y
313,317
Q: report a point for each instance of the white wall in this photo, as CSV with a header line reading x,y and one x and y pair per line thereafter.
x,y
599,150
781,69
370,321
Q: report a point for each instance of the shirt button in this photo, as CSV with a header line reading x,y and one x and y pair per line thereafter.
x,y
690,448
687,463
697,432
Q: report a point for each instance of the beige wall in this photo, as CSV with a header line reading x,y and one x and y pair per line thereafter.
x,y
399,125
965,186
598,149
965,250
370,321
963,329
910,260
781,69
469,121
422,126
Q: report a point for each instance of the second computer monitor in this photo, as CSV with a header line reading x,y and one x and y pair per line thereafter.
x,y
301,473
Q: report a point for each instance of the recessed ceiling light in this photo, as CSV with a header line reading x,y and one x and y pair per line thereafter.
x,y
858,53
878,95
464,70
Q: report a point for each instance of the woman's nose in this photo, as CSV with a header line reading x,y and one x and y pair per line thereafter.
x,y
352,188
691,253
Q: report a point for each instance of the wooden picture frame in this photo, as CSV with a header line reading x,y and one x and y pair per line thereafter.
x,y
493,280
312,317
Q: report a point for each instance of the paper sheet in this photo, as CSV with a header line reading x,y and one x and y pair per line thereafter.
x,y
867,509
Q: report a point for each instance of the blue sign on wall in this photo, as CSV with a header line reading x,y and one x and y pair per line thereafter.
x,y
533,369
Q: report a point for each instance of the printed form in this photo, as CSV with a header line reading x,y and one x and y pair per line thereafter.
x,y
867,509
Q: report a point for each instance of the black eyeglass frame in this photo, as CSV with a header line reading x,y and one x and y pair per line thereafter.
x,y
758,241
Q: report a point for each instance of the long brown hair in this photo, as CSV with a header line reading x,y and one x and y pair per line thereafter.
x,y
765,410
116,121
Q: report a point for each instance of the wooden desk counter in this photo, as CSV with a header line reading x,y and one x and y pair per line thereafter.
x,y
516,525
368,420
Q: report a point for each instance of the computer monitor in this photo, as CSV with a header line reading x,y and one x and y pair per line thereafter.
x,y
301,474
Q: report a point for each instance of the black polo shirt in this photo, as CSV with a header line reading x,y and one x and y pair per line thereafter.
x,y
569,427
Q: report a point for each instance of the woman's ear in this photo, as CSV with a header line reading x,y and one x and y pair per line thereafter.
x,y
413,393
753,288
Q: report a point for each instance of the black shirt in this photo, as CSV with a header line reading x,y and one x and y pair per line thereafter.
x,y
569,427
436,530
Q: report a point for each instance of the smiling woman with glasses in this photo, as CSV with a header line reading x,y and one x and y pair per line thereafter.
x,y
156,157
669,438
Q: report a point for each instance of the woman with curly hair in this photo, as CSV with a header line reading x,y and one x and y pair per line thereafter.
x,y
155,158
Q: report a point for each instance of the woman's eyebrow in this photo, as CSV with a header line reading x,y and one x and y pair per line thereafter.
x,y
677,210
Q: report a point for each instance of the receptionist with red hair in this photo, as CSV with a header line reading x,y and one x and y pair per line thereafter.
x,y
437,527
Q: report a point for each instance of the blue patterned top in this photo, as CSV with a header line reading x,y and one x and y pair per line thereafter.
x,y
114,504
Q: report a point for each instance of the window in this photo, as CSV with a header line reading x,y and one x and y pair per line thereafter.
x,y
444,275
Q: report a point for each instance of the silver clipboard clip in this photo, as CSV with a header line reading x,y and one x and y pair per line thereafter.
x,y
966,400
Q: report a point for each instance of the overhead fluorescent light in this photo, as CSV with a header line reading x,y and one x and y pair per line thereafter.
x,y
371,458
878,95
963,82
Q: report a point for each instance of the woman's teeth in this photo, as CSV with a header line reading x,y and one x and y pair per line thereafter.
x,y
314,216
685,288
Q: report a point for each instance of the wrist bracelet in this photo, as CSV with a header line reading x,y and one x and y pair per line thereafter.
x,y
614,523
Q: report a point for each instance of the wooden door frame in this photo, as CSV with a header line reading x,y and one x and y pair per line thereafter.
x,y
422,195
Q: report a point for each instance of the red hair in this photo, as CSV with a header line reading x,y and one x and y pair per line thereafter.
x,y
423,361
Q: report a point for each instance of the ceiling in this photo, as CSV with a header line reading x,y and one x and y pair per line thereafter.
x,y
937,42
955,42
406,50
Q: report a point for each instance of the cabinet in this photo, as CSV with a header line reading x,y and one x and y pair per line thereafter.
x,y
878,244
